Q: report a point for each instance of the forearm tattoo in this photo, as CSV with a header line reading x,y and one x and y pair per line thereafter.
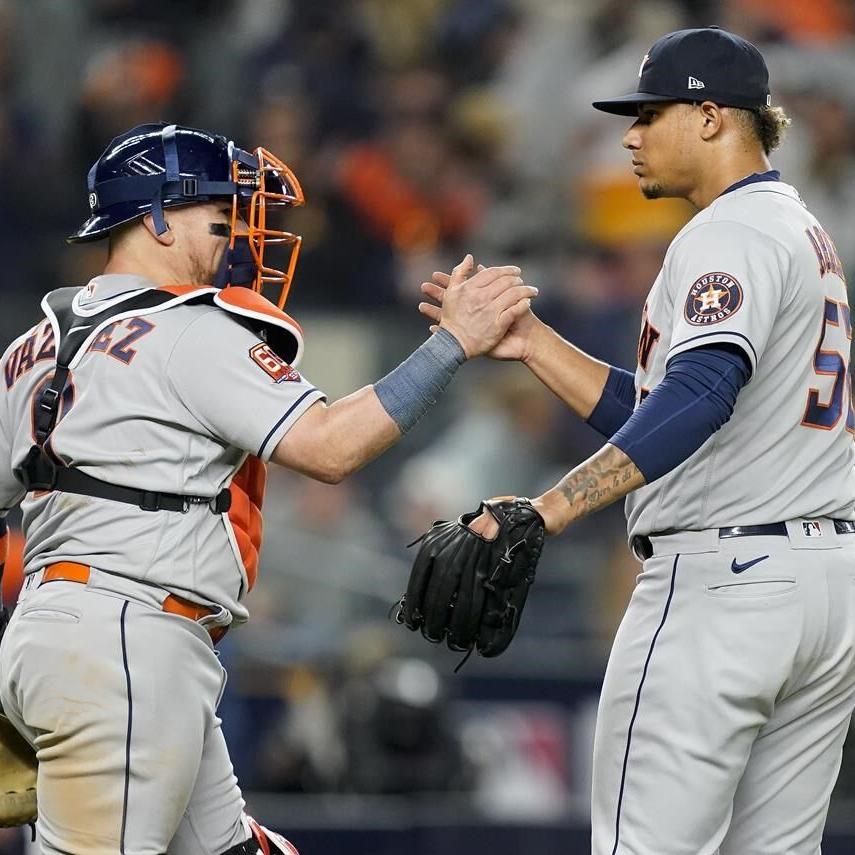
x,y
602,479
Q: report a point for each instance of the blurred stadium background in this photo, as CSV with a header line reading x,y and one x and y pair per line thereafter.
x,y
420,129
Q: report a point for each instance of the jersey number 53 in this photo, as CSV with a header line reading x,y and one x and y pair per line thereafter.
x,y
832,363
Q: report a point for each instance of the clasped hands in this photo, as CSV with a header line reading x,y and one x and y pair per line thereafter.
x,y
488,310
478,307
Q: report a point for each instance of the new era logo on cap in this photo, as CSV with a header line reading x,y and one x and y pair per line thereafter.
x,y
724,67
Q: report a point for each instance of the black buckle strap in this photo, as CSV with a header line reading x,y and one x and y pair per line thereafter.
x,y
75,481
222,502
48,400
47,411
39,473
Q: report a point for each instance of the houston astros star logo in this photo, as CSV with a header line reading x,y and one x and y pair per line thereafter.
x,y
712,298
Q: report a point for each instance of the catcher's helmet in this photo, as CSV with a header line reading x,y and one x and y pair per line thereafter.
x,y
156,166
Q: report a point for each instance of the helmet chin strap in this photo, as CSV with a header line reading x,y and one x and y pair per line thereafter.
x,y
237,266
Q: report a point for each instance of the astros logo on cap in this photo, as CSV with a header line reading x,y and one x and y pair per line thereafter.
x,y
713,298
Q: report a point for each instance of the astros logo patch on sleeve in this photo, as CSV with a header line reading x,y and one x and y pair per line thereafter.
x,y
713,298
271,363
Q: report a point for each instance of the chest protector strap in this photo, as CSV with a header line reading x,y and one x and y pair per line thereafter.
x,y
74,330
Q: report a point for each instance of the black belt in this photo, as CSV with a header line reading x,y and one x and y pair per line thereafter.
x,y
643,547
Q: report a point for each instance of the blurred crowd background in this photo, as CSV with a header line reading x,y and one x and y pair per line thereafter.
x,y
420,130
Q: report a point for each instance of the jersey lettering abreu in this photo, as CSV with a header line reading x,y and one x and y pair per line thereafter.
x,y
172,401
755,269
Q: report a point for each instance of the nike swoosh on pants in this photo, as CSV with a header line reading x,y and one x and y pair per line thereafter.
x,y
741,568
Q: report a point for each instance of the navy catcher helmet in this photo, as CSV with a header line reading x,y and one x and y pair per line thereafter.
x,y
156,166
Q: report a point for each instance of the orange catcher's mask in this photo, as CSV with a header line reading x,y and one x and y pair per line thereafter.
x,y
263,187
155,166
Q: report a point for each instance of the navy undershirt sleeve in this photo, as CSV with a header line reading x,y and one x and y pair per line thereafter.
x,y
695,398
616,402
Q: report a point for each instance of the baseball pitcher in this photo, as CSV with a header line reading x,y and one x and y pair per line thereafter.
x,y
731,680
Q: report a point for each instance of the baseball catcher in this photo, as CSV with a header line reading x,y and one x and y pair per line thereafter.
x,y
125,434
468,590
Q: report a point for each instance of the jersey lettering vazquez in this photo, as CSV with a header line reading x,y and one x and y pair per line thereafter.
x,y
172,401
755,269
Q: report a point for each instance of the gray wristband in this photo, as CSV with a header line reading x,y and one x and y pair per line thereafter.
x,y
408,391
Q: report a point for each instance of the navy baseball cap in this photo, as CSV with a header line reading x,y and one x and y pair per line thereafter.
x,y
708,64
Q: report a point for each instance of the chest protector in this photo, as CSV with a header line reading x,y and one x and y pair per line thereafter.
x,y
75,327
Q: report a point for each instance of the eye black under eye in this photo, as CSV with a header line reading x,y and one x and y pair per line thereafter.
x,y
219,229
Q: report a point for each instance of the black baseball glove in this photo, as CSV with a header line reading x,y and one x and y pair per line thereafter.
x,y
469,591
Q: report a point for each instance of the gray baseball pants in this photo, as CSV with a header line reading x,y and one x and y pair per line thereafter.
x,y
119,699
728,696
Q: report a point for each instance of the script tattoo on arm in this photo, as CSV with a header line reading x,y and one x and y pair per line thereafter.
x,y
602,479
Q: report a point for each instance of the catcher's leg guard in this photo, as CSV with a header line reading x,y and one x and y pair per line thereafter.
x,y
262,842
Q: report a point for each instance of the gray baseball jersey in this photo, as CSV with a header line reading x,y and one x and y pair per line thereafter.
x,y
171,401
755,269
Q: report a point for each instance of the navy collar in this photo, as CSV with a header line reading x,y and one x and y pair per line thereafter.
x,y
771,175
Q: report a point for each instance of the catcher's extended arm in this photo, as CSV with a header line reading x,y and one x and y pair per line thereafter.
x,y
469,591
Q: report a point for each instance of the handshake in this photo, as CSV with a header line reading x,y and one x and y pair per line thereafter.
x,y
487,309
471,576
